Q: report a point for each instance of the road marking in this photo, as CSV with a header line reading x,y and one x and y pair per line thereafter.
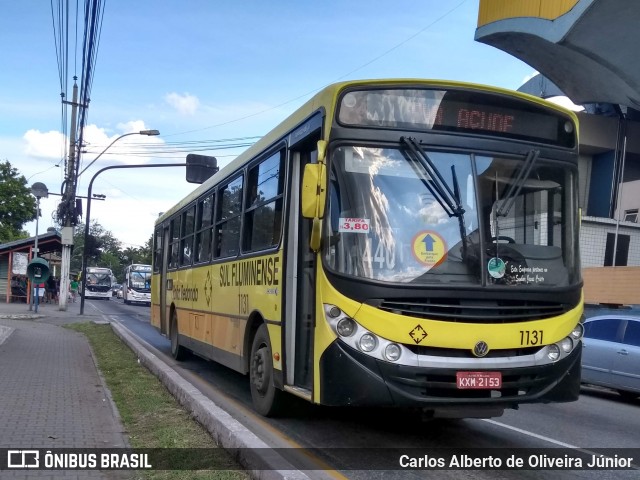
x,y
531,434
93,306
547,439
5,332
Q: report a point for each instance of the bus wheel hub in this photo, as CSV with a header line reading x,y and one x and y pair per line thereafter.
x,y
259,370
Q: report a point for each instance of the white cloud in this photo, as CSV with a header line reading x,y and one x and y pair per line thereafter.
x,y
132,126
44,144
185,104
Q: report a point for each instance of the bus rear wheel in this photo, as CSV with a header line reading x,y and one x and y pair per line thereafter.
x,y
177,351
267,399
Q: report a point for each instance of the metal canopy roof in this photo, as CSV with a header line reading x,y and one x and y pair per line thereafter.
x,y
47,242
589,52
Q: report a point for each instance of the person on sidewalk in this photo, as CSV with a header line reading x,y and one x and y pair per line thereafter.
x,y
51,290
74,289
39,289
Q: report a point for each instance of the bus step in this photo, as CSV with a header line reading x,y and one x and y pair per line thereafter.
x,y
299,392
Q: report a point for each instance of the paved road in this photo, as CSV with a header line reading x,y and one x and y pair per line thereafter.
x,y
600,419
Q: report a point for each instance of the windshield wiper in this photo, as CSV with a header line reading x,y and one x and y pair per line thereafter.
x,y
448,200
518,183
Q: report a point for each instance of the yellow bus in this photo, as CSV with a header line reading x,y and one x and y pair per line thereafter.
x,y
408,243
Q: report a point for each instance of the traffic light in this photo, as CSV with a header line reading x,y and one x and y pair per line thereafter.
x,y
92,246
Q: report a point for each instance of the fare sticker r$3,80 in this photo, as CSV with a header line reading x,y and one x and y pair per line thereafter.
x,y
353,225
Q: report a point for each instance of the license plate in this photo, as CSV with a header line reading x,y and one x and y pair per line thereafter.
x,y
479,380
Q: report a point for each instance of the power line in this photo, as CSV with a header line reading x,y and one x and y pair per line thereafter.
x,y
162,149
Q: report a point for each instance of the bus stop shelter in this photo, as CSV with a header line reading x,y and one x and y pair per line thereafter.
x,y
14,258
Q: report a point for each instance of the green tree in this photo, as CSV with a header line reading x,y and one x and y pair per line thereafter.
x,y
112,261
138,255
102,248
17,205
146,252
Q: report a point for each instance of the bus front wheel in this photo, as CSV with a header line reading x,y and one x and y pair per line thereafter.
x,y
267,399
177,351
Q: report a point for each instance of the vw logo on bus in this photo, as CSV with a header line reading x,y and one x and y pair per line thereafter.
x,y
481,349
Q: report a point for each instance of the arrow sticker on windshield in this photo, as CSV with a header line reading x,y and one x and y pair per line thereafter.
x,y
429,248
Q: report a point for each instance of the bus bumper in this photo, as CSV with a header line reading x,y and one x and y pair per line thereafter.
x,y
349,377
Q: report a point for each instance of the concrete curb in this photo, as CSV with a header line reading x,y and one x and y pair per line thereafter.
x,y
108,397
251,452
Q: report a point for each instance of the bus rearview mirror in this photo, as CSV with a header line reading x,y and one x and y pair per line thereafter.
x,y
314,190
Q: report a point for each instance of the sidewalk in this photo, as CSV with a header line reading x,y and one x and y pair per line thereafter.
x,y
51,394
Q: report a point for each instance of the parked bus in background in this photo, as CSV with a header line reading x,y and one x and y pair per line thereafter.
x,y
392,243
137,284
98,283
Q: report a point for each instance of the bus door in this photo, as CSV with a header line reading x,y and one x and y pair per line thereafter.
x,y
300,284
164,261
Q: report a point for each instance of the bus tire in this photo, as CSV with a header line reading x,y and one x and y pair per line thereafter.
x,y
178,352
267,399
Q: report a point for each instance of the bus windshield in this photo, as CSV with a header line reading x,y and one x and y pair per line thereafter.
x,y
467,219
140,281
99,278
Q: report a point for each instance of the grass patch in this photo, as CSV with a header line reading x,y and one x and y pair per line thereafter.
x,y
151,416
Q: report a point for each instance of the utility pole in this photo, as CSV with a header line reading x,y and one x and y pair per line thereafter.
x,y
67,207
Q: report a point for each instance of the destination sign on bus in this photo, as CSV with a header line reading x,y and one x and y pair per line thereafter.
x,y
463,111
141,268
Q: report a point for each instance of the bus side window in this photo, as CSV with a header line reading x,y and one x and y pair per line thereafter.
x,y
229,207
186,243
203,230
263,209
175,242
157,251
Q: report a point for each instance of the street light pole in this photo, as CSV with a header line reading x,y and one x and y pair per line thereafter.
x,y
66,258
88,217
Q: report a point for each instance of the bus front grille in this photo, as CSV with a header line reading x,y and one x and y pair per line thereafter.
x,y
464,353
474,311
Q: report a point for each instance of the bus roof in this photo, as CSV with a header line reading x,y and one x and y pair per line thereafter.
x,y
326,100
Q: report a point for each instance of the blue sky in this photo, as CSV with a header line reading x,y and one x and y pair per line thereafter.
x,y
207,70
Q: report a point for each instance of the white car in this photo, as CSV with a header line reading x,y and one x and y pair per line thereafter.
x,y
119,293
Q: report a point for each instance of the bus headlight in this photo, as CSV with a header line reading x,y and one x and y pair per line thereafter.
x,y
566,344
577,332
346,327
553,352
392,352
354,335
367,342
